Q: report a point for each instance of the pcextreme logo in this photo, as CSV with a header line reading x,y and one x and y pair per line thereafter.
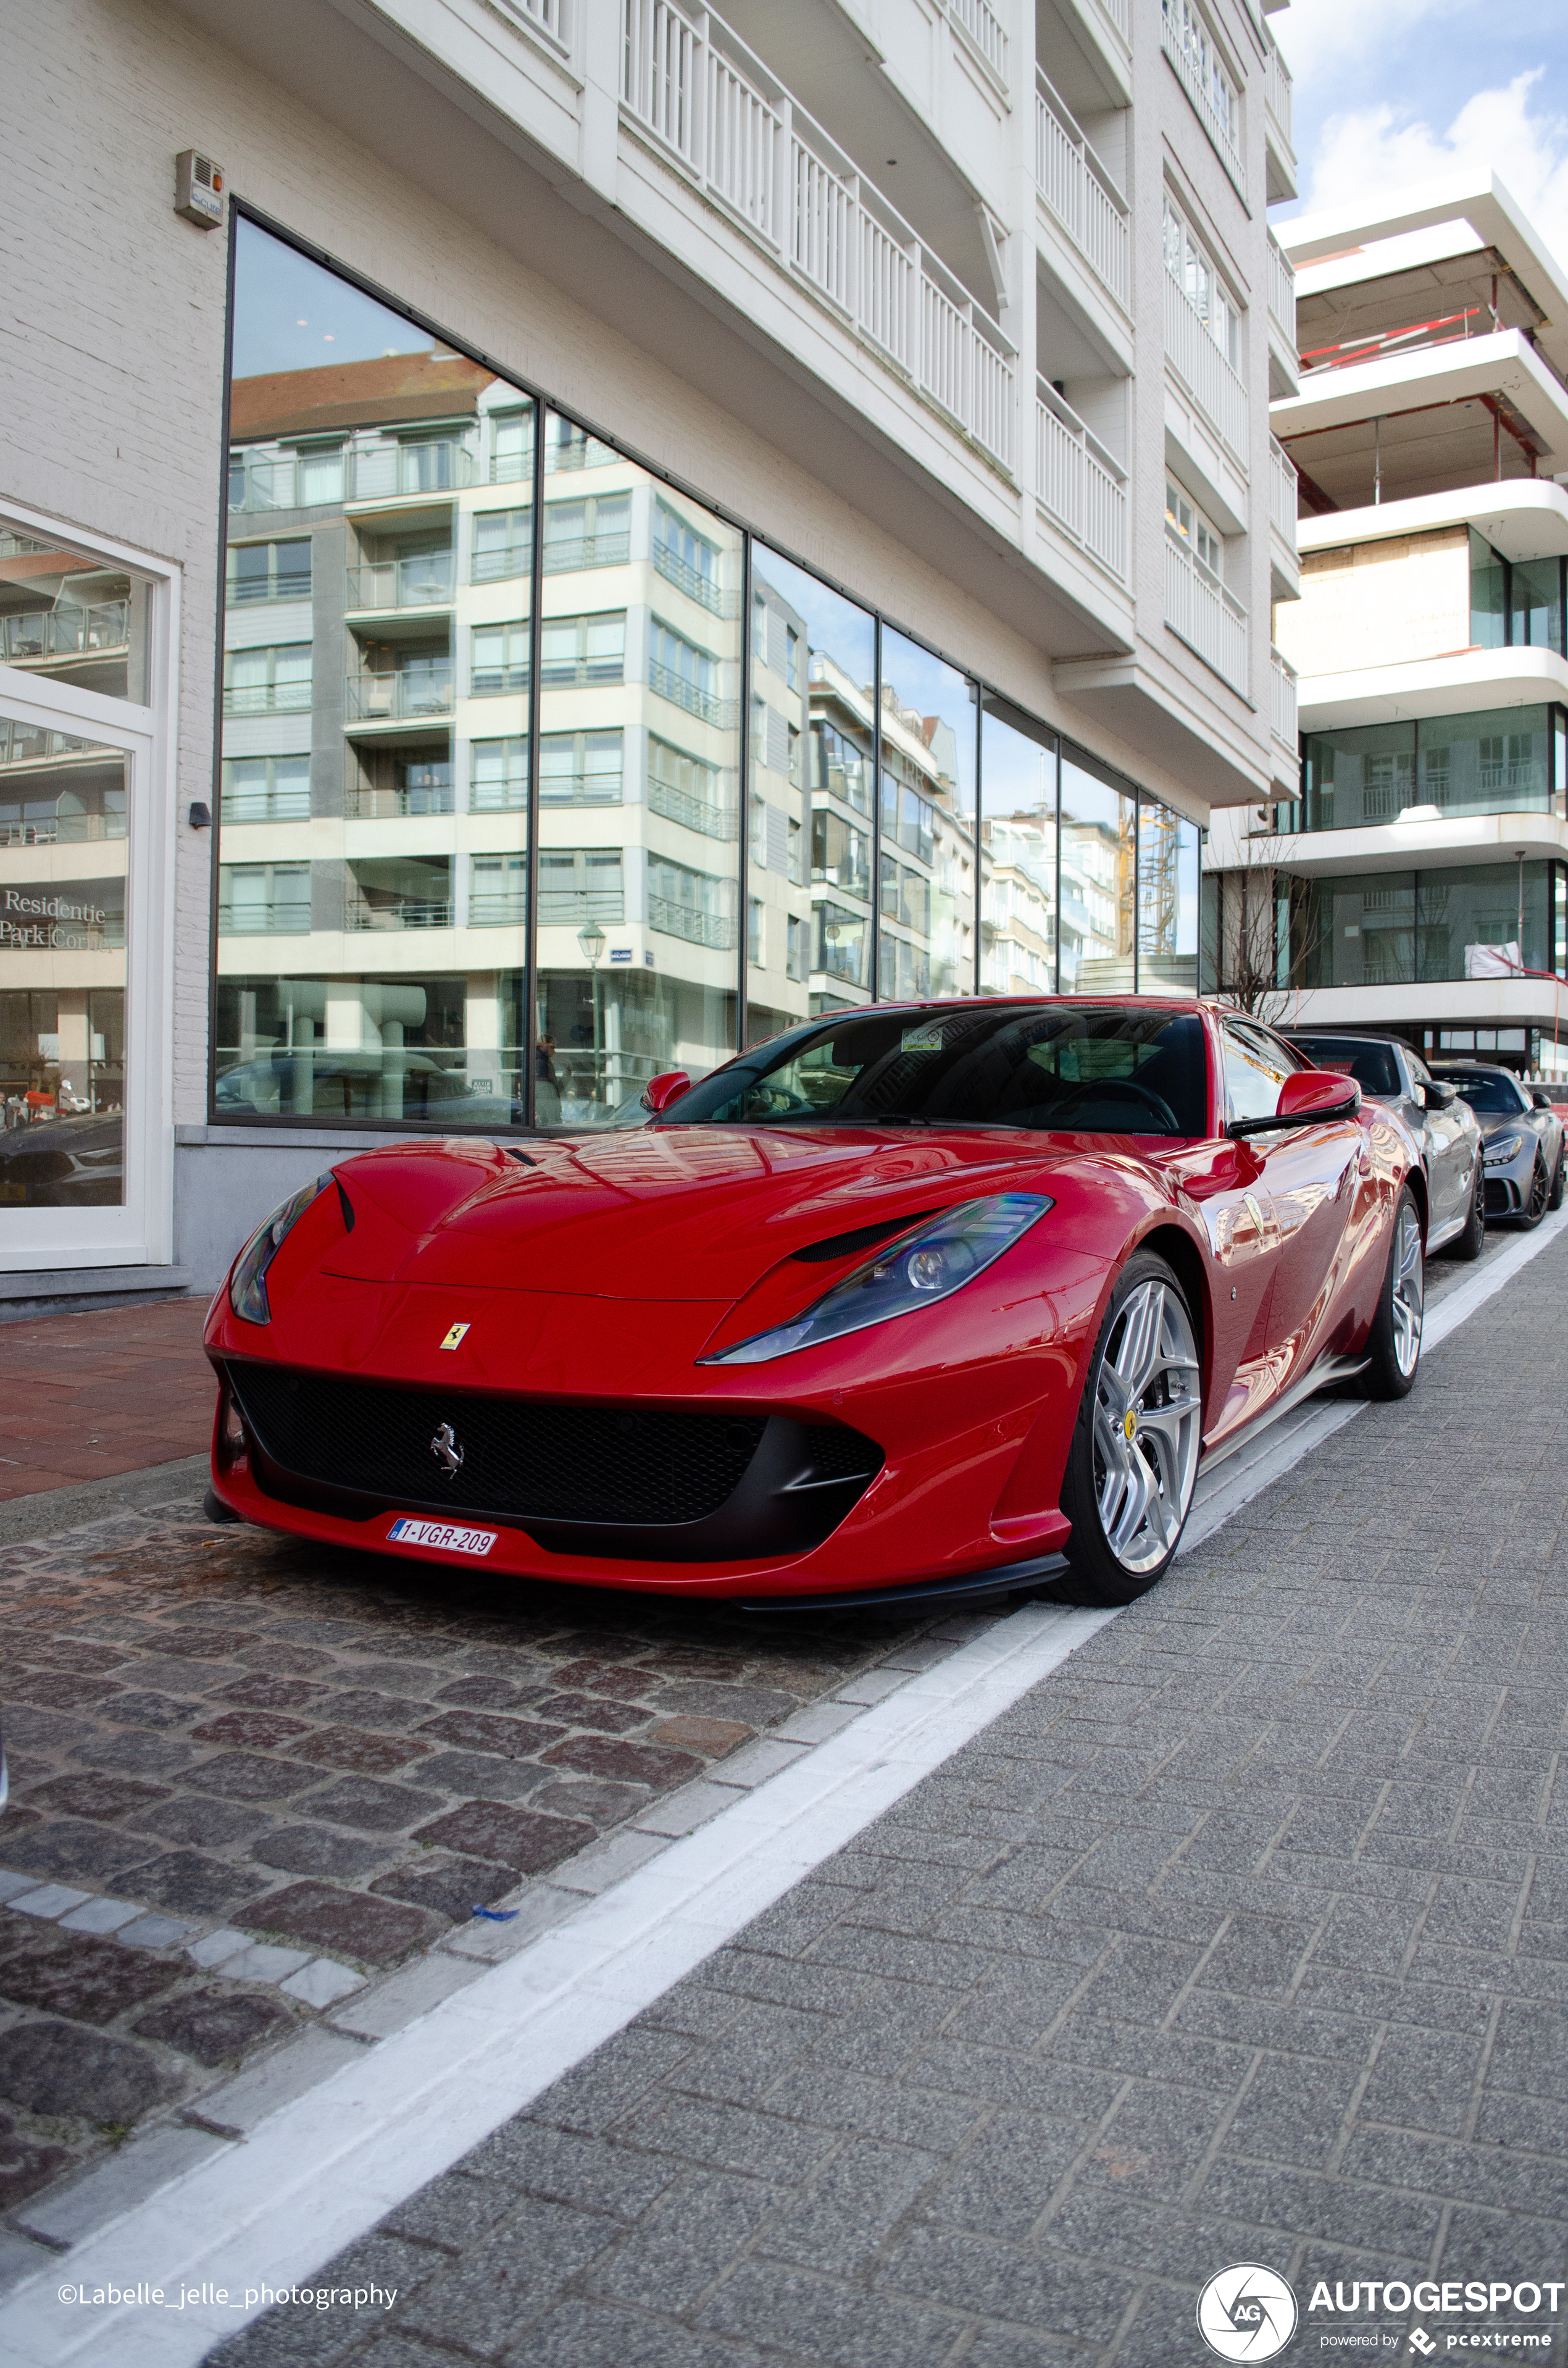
x,y
1247,2312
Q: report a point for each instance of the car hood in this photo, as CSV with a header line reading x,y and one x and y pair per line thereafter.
x,y
691,1212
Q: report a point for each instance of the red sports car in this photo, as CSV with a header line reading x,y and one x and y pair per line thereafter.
x,y
907,1301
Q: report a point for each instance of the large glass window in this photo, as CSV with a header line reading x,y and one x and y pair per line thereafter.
x,y
927,877
65,618
1496,761
371,796
1359,931
1352,778
1468,920
65,805
813,697
1017,854
1167,901
1099,864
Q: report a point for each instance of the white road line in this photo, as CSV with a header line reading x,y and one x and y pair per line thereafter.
x,y
323,2170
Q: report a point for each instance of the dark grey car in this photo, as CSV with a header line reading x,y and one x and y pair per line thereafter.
x,y
1437,1115
1523,1139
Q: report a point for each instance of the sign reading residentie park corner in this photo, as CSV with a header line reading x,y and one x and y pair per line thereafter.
x,y
62,916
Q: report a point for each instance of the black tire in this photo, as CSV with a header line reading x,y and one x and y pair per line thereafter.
x,y
1473,1241
1554,1199
1391,1368
1103,1463
1535,1208
215,1510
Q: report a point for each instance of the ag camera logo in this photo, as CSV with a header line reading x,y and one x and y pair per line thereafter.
x,y
1246,2312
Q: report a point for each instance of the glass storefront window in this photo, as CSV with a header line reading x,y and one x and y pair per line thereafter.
x,y
1099,855
640,708
813,697
64,812
927,863
65,618
1167,901
1017,854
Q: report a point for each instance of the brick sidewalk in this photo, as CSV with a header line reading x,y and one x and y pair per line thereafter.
x,y
115,1390
1243,1938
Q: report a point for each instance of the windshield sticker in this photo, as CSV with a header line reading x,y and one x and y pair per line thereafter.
x,y
922,1039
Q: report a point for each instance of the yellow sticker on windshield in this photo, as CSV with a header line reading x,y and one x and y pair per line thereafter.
x,y
921,1039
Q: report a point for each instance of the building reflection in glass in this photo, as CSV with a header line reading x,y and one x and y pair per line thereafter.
x,y
1018,844
1099,862
1168,850
926,879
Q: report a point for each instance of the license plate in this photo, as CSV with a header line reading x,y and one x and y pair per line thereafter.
x,y
442,1534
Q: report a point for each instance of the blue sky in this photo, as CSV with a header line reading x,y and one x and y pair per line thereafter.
x,y
1389,93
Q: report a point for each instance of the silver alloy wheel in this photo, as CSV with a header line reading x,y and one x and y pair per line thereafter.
x,y
1409,1291
1147,1426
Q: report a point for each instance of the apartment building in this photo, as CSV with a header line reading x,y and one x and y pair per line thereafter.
x,y
580,533
1418,880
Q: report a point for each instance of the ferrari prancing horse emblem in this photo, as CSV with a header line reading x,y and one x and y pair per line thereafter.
x,y
444,1446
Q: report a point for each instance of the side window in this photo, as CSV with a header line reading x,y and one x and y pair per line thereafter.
x,y
1255,1068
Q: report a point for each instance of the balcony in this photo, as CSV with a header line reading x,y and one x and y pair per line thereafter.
x,y
262,478
264,806
415,692
503,563
425,582
268,697
690,580
69,829
1284,362
1221,127
1203,369
1278,140
564,554
571,908
502,910
1208,617
985,30
37,636
699,929
372,805
712,109
1079,484
692,697
1282,507
1080,194
397,913
693,814
269,917
1282,702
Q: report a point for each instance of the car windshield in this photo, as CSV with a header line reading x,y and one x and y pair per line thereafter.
x,y
1090,1068
1492,1090
1373,1066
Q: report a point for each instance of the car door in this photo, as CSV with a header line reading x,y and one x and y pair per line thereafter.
x,y
1450,1146
1309,1186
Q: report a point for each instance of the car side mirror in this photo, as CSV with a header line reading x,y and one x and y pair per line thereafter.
x,y
1541,1101
1307,1098
660,1092
1435,1096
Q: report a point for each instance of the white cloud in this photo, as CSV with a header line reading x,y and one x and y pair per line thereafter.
x,y
1368,154
1324,39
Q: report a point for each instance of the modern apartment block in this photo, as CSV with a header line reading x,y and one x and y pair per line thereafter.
x,y
1418,881
597,530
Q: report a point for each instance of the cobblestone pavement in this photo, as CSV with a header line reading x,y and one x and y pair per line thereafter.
x,y
248,1772
110,1391
1243,1938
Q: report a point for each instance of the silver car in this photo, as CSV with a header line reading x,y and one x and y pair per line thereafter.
x,y
1523,1137
1388,1070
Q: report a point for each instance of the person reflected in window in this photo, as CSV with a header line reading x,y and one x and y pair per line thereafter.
x,y
547,1085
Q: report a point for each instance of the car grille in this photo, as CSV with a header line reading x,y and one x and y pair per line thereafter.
x,y
520,1458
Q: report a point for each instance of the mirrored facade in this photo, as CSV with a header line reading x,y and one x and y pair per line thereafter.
x,y
539,779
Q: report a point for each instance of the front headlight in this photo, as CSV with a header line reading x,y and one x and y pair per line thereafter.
x,y
928,1264
247,1284
1499,1154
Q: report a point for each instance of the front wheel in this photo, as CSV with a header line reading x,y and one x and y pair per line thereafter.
x,y
1132,1464
1534,1207
1555,1201
1473,1241
1394,1345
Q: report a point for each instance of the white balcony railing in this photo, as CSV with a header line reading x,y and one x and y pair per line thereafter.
x,y
1282,699
1282,291
1079,483
552,17
1204,371
1178,34
698,89
1209,618
986,31
1080,193
1277,96
1282,505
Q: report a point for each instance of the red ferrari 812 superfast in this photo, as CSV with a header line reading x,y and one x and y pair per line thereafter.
x,y
930,1299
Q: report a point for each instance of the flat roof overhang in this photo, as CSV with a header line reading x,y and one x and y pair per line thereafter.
x,y
1525,518
1434,1003
1457,683
1461,840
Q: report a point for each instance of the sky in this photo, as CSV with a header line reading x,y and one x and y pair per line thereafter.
x,y
1392,93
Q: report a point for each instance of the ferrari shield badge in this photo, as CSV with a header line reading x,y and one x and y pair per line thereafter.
x,y
455,1335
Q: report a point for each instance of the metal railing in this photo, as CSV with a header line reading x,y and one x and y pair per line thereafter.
x,y
1081,486
696,87
64,830
266,805
986,31
694,813
501,563
263,478
1282,291
568,553
1080,193
425,582
269,917
394,698
1282,505
402,913
1204,371
268,697
1209,618
568,908
1278,92
580,789
500,911
394,804
1219,127
699,929
1282,699
687,579
703,704
66,633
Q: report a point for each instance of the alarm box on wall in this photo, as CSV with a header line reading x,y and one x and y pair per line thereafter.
x,y
200,189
